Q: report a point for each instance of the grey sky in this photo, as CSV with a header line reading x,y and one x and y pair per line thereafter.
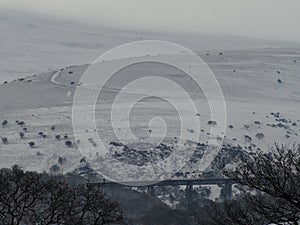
x,y
272,19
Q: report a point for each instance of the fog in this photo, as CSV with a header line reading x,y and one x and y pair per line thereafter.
x,y
269,19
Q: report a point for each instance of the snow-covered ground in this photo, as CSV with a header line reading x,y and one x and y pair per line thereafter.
x,y
256,104
260,81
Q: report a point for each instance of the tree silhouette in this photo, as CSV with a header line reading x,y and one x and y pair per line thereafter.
x,y
31,198
273,179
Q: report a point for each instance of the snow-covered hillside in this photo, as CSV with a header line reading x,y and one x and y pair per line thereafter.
x,y
260,80
261,89
35,43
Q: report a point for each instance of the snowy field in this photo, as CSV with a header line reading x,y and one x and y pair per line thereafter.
x,y
260,81
261,109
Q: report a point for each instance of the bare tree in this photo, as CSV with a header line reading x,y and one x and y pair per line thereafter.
x,y
29,198
91,206
273,179
19,194
53,205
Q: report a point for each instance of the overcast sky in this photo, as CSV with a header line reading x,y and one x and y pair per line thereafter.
x,y
272,19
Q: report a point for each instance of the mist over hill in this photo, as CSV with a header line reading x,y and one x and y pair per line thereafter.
x,y
34,43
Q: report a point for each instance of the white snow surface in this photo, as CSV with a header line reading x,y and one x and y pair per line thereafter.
x,y
248,72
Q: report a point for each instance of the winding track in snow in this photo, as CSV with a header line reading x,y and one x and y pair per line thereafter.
x,y
54,77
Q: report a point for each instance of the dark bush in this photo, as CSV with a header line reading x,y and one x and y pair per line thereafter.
x,y
5,140
69,143
57,137
4,123
31,144
54,169
22,135
212,123
61,160
21,123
